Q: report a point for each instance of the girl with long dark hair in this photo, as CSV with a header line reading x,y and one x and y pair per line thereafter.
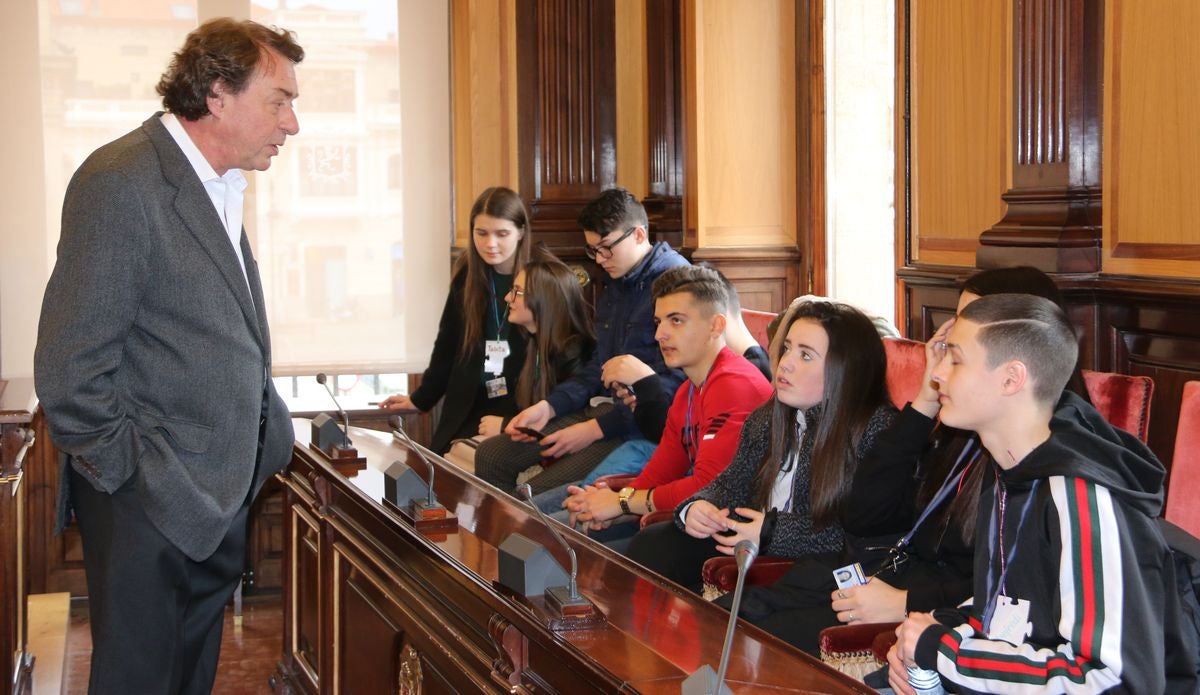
x,y
923,484
798,452
476,360
546,302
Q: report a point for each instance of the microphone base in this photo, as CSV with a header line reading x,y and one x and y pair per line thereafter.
x,y
703,681
345,460
568,613
433,518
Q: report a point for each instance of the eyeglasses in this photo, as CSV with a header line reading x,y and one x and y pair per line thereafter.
x,y
605,251
517,291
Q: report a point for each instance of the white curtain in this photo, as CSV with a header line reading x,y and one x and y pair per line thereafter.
x,y
352,223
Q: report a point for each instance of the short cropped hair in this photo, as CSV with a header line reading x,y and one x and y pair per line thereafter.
x,y
225,50
612,210
1031,329
704,284
733,303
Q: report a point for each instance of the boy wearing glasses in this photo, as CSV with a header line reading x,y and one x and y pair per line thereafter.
x,y
579,436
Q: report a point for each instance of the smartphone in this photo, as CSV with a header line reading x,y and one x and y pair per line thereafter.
x,y
629,389
530,432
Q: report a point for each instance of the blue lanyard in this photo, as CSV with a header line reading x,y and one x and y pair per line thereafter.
x,y
495,304
969,454
691,438
998,503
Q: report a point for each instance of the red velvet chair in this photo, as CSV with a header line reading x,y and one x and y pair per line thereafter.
x,y
1183,509
1123,400
757,322
905,368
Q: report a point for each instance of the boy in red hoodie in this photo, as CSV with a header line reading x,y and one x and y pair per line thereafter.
x,y
705,419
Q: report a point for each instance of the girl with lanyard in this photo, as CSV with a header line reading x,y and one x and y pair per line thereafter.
x,y
477,356
797,453
924,483
546,302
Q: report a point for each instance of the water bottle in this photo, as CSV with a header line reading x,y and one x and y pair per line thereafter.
x,y
925,682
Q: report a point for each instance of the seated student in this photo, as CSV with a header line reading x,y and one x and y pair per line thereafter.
x,y
475,360
546,302
1074,584
797,453
705,419
577,435
925,481
650,402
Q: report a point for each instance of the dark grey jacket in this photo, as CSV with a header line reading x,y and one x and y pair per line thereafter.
x,y
153,358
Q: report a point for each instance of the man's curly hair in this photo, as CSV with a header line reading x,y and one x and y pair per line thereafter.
x,y
222,49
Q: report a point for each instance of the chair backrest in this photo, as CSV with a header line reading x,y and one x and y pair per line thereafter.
x,y
757,322
1122,399
905,367
1183,492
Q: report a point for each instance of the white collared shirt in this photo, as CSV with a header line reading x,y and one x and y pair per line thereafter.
x,y
782,491
226,192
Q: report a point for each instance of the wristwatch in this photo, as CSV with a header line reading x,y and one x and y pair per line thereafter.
x,y
623,497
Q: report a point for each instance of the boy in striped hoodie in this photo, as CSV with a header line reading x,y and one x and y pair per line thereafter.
x,y
1074,584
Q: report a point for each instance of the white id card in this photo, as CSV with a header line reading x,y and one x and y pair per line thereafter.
x,y
496,387
1010,622
848,576
494,353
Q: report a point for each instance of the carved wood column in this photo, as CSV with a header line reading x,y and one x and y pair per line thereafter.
x,y
1054,212
664,87
566,67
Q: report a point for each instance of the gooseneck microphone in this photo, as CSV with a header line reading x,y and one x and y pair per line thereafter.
x,y
703,681
398,431
572,586
324,381
744,553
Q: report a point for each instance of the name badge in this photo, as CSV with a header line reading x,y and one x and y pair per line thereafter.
x,y
1010,622
496,387
494,353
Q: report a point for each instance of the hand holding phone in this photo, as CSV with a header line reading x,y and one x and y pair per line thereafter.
x,y
530,432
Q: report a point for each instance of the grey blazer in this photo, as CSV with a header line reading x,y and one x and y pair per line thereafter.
x,y
153,359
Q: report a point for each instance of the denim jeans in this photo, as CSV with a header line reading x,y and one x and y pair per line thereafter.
x,y
628,459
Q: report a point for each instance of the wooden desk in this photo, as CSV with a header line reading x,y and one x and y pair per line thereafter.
x,y
16,413
372,606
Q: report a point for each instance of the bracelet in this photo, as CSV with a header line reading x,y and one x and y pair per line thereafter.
x,y
649,502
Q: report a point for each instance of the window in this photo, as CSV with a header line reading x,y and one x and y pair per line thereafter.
x,y
354,214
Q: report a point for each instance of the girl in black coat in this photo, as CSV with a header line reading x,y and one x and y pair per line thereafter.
x,y
477,355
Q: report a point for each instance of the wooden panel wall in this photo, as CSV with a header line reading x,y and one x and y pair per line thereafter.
x,y
1094,83
610,92
566,82
958,86
742,159
664,118
485,102
741,112
1151,139
632,97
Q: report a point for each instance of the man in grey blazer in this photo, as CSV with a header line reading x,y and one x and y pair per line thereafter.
x,y
153,360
